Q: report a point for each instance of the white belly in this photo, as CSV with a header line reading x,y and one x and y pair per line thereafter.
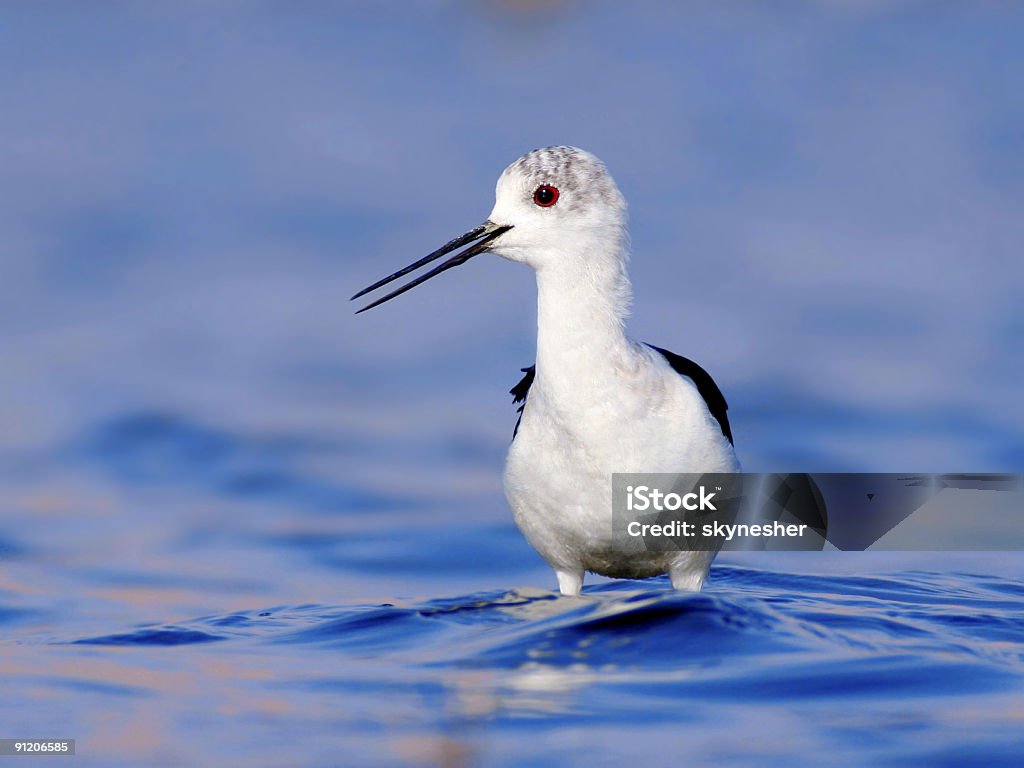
x,y
558,474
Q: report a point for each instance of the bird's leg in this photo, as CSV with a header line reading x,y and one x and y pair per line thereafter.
x,y
686,579
570,582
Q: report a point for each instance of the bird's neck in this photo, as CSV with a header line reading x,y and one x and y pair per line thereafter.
x,y
580,317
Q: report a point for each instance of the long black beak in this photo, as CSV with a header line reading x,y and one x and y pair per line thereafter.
x,y
483,235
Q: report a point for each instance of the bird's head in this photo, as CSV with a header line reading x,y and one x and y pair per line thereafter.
x,y
556,206
561,203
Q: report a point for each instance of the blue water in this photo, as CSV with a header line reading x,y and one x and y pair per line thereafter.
x,y
239,526
911,667
178,594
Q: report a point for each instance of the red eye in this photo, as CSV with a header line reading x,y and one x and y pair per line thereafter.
x,y
545,195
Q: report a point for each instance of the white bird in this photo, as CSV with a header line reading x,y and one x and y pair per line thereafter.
x,y
596,402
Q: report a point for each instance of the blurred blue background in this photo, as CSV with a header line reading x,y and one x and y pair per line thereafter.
x,y
825,209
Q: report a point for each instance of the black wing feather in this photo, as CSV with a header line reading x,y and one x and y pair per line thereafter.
x,y
706,387
519,392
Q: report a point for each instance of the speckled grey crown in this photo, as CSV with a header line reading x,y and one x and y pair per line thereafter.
x,y
580,177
